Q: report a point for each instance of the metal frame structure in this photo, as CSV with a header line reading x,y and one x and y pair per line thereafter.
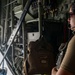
x,y
13,44
14,60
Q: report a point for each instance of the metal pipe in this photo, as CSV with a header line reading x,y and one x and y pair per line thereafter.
x,y
6,23
40,17
1,33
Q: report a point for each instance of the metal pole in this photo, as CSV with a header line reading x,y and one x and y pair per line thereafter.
x,y
1,33
40,17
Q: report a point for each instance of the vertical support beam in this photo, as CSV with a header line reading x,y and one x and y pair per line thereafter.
x,y
24,41
6,23
12,27
40,17
1,34
24,34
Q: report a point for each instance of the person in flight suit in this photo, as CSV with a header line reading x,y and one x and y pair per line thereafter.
x,y
67,66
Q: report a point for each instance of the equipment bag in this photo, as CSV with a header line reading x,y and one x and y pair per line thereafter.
x,y
40,58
